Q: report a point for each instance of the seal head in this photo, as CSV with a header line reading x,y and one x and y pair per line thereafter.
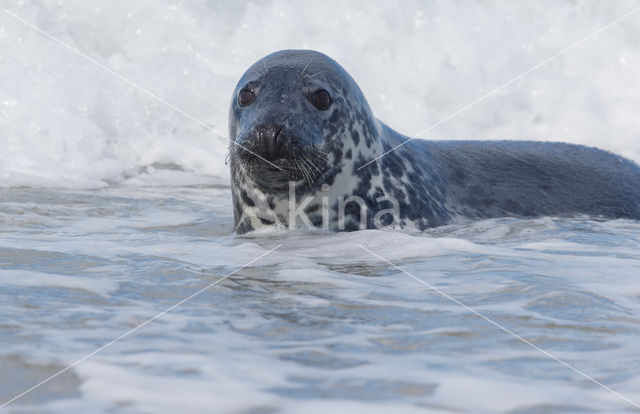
x,y
289,112
296,118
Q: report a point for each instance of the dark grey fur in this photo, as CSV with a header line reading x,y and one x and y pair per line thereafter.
x,y
434,182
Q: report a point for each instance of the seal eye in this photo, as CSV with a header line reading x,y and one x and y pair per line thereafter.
x,y
245,97
321,99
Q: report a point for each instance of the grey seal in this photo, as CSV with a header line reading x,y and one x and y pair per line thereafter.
x,y
307,151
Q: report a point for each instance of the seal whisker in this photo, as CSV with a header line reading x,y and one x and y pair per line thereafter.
x,y
305,68
318,151
296,169
248,165
306,171
320,157
309,162
244,166
312,176
240,166
320,154
316,159
304,164
258,73
317,73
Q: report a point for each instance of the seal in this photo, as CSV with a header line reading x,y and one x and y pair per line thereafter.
x,y
307,151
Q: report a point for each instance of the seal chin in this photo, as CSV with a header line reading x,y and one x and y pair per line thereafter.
x,y
270,179
293,162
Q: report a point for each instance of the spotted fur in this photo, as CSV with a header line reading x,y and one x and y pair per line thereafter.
x,y
433,182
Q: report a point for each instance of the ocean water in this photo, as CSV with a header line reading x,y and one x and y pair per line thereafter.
x,y
115,207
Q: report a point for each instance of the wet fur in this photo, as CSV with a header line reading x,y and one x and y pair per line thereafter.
x,y
435,182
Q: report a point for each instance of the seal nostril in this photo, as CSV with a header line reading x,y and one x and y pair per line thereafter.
x,y
275,137
268,141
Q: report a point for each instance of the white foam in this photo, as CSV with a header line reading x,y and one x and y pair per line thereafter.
x,y
66,123
29,278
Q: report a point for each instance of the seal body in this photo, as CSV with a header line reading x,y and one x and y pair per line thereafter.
x,y
308,152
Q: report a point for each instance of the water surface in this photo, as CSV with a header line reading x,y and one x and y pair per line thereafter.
x,y
318,324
